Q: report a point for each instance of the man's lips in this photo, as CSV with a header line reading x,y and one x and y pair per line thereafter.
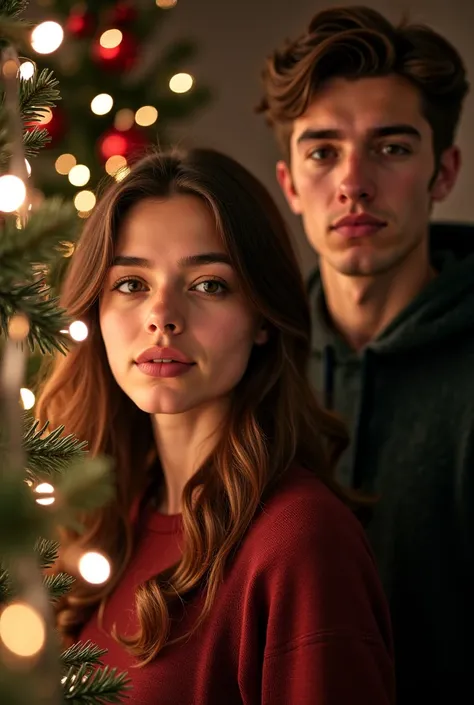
x,y
360,225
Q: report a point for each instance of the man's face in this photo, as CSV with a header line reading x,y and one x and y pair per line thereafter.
x,y
364,149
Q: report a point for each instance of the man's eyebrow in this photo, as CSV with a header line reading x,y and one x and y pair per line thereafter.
x,y
185,262
311,134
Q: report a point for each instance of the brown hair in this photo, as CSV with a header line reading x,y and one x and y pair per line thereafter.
x,y
358,42
274,419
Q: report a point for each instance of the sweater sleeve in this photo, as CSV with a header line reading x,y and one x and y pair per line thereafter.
x,y
328,638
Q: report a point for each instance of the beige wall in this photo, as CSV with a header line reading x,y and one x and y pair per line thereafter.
x,y
235,35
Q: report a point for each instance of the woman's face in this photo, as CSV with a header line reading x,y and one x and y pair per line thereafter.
x,y
177,329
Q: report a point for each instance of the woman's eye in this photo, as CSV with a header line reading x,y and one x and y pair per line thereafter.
x,y
129,286
210,286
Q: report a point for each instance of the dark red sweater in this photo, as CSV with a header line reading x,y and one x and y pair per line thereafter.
x,y
300,618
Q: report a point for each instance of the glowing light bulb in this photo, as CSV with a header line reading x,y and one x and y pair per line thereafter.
x,y
166,4
12,193
27,70
22,629
124,119
47,37
78,331
114,163
64,163
122,173
79,175
146,115
181,82
102,104
28,167
45,488
46,117
27,397
94,567
85,201
111,38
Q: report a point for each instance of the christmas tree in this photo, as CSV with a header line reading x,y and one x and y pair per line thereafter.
x,y
46,479
122,90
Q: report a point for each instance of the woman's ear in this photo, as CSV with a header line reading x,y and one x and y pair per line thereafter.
x,y
261,336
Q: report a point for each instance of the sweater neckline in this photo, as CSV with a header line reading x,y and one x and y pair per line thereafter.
x,y
164,523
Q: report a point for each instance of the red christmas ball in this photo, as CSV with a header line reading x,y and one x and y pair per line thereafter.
x,y
81,22
119,58
123,14
128,143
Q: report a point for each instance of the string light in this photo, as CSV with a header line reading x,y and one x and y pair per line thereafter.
x,y
114,163
46,489
28,167
28,398
102,104
12,193
46,117
79,175
146,115
64,163
166,4
124,119
94,567
111,38
78,331
22,630
84,201
181,82
47,37
27,70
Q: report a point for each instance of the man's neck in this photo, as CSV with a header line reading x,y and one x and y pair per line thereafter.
x,y
360,308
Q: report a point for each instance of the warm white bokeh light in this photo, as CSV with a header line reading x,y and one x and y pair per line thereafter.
x,y
46,116
22,629
27,398
85,201
45,488
78,331
27,70
12,193
102,104
122,173
28,167
79,175
146,115
47,37
94,567
64,163
111,38
166,4
124,119
113,164
181,82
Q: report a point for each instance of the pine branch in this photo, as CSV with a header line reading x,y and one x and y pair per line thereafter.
x,y
36,94
58,585
80,654
47,552
35,139
46,319
13,8
38,240
105,685
50,454
5,586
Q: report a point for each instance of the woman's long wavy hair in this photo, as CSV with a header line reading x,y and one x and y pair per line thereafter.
x,y
274,419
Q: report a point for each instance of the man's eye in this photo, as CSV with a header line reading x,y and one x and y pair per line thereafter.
x,y
211,287
395,150
322,153
128,286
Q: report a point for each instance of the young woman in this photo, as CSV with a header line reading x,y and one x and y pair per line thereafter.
x,y
241,575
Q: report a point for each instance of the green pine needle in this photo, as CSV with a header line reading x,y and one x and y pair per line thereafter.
x,y
58,585
105,685
5,586
13,8
47,552
80,654
38,93
49,454
46,319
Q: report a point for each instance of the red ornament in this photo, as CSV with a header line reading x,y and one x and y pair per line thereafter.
x,y
123,14
119,58
129,143
54,121
81,22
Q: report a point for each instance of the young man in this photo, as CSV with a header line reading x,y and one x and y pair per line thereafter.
x,y
366,115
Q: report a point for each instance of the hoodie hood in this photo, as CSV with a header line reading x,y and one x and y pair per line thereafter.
x,y
443,310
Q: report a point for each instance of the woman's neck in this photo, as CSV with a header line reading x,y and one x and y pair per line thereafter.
x,y
184,441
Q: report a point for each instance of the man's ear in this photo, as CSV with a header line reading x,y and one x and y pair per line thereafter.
x,y
450,164
285,179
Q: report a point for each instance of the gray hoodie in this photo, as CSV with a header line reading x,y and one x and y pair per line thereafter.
x,y
408,399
